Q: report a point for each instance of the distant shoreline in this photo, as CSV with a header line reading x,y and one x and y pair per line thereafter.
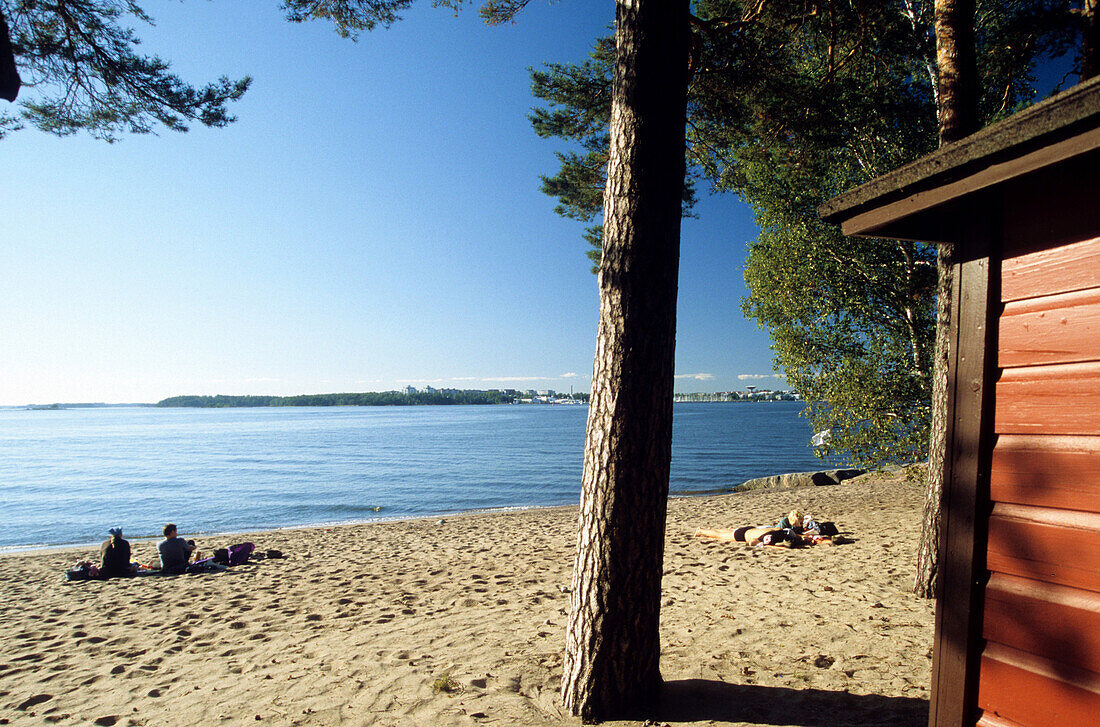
x,y
430,397
445,397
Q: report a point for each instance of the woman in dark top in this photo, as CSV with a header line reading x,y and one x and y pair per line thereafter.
x,y
115,554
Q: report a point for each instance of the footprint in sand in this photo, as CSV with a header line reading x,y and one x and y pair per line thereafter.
x,y
33,701
28,657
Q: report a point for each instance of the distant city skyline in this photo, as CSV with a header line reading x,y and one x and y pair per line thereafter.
x,y
372,220
522,384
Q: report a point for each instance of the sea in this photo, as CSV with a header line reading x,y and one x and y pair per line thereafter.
x,y
68,475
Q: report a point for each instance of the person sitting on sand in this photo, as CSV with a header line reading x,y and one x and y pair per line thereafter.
x,y
794,520
812,531
174,551
114,555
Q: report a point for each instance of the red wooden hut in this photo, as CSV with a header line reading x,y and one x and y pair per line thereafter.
x,y
1017,639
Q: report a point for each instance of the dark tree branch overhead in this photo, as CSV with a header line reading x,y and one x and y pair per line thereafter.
x,y
349,17
79,65
9,74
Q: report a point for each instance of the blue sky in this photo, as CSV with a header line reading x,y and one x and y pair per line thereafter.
x,y
372,220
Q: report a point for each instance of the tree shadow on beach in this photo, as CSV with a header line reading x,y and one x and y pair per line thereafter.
x,y
699,700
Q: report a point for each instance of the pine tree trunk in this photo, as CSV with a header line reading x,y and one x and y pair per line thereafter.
x,y
1090,50
958,117
957,67
928,551
612,642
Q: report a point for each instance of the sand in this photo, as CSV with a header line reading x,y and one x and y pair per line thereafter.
x,y
461,623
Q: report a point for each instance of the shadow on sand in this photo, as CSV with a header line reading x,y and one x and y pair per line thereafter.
x,y
699,700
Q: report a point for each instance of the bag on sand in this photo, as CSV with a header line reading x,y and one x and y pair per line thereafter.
x,y
82,571
239,553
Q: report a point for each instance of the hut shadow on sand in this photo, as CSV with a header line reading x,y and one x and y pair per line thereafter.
x,y
701,700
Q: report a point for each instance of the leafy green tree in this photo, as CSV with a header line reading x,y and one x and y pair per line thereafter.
x,y
790,105
851,324
80,60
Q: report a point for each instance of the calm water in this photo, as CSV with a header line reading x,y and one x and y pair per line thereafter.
x,y
67,476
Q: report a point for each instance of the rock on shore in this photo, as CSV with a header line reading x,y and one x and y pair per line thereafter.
x,y
791,480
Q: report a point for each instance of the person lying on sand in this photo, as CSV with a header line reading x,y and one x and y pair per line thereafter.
x,y
753,536
780,537
175,552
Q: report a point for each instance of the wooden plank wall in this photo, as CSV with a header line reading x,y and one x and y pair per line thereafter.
x,y
1040,664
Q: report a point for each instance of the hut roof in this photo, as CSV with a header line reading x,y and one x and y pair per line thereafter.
x,y
1061,127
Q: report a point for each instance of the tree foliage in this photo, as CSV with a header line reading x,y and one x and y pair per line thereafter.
x,y
80,65
579,98
791,104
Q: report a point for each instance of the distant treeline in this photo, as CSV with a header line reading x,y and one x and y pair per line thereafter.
x,y
369,398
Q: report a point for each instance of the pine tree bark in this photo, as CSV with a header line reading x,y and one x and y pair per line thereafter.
x,y
1090,50
928,553
958,117
611,665
957,69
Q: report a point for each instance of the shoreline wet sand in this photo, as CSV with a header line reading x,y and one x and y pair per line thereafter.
x,y
462,622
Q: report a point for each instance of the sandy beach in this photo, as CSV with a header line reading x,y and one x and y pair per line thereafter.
x,y
462,622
